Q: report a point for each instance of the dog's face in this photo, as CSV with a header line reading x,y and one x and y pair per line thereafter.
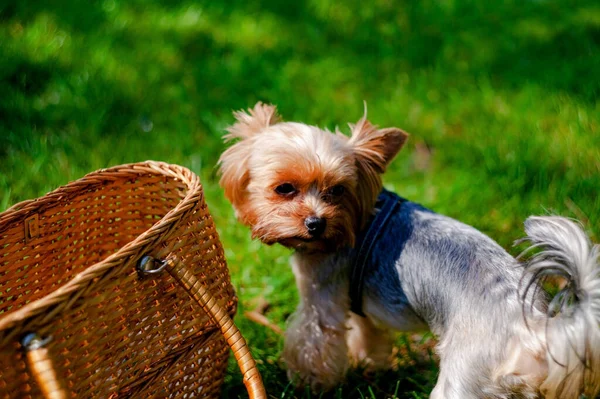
x,y
301,186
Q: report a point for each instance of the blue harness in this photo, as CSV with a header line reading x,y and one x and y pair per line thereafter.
x,y
387,203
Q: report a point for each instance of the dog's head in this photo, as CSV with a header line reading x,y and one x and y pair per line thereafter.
x,y
301,186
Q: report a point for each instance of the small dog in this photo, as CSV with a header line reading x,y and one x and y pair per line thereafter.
x,y
400,266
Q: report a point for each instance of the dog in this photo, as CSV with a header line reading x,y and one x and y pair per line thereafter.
x,y
368,262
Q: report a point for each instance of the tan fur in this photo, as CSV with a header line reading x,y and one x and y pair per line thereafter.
x,y
369,347
252,122
252,168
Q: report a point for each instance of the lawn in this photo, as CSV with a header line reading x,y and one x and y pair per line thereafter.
x,y
501,99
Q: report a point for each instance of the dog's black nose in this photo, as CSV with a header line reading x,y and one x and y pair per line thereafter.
x,y
315,225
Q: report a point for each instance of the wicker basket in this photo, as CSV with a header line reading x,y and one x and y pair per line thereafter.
x,y
115,285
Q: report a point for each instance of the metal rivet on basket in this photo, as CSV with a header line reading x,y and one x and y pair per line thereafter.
x,y
32,342
32,228
150,265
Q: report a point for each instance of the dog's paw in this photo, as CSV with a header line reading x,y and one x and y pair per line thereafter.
x,y
317,383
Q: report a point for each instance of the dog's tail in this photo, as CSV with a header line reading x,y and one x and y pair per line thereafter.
x,y
572,331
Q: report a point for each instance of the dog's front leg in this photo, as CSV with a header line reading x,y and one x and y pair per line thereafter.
x,y
315,349
368,346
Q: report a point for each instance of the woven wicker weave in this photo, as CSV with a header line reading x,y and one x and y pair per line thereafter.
x,y
68,273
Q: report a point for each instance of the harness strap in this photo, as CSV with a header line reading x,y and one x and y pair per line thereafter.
x,y
387,202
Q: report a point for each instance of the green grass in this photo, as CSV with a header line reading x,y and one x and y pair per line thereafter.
x,y
501,99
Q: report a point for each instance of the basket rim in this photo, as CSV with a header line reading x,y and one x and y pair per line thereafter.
x,y
137,245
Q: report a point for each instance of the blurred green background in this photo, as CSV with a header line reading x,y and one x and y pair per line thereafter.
x,y
501,98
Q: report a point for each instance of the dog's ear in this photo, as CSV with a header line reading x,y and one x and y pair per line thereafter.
x,y
375,148
250,122
235,176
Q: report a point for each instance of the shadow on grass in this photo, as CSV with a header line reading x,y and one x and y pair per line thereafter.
x,y
551,43
401,383
302,46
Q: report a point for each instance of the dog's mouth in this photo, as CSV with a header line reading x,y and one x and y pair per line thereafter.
x,y
304,239
304,243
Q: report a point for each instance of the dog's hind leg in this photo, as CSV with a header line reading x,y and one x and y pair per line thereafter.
x,y
464,369
453,385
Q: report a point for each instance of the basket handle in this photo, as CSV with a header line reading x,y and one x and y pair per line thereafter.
x,y
41,367
235,340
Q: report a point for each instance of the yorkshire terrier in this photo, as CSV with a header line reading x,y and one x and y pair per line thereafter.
x,y
368,262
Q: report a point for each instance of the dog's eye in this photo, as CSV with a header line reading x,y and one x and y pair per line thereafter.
x,y
337,191
285,189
